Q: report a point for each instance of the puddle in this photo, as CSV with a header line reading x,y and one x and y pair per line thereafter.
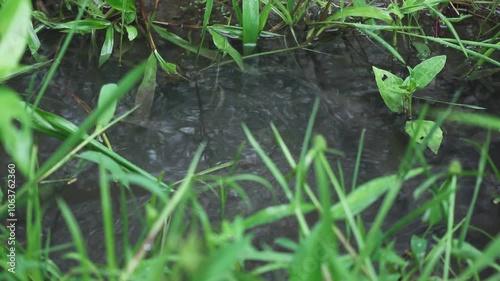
x,y
280,89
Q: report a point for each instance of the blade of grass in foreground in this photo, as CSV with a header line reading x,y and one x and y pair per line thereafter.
x,y
76,235
165,213
123,86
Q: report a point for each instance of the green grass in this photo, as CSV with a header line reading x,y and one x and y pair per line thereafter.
x,y
178,240
176,251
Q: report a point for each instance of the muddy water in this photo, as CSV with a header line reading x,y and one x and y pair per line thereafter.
x,y
280,89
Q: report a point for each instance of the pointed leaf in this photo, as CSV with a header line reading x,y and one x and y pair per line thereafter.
x,y
107,47
131,32
426,71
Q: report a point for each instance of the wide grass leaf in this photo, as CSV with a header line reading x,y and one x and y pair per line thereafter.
x,y
250,25
426,71
14,25
15,129
423,132
389,86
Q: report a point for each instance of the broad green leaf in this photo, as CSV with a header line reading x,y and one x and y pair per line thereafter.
x,y
426,71
84,26
250,25
146,91
131,32
119,4
15,23
107,93
423,132
166,66
15,129
223,45
360,11
107,46
389,86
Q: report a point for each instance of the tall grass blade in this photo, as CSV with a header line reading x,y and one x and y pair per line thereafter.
x,y
250,25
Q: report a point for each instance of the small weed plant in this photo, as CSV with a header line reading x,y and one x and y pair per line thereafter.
x,y
397,95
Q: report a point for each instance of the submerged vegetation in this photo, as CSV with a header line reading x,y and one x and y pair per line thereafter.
x,y
179,240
